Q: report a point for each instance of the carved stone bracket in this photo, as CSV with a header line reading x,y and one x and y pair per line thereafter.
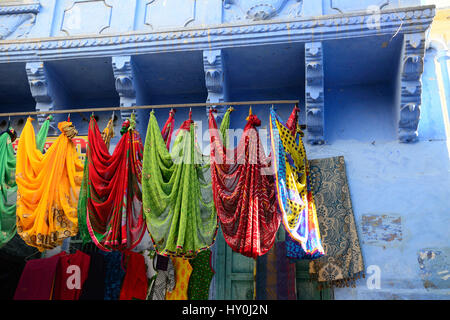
x,y
125,83
314,92
40,90
214,66
16,20
411,86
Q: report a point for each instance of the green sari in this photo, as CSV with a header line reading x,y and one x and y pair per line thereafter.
x,y
8,186
177,194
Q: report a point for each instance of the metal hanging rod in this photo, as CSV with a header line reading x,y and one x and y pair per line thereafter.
x,y
160,106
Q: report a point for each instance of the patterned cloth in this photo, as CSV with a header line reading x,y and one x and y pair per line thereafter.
x,y
8,186
48,186
295,197
343,261
275,276
164,282
202,274
244,192
177,196
183,272
112,197
149,257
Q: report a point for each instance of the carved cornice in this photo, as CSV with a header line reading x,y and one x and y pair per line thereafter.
x,y
20,8
16,20
222,36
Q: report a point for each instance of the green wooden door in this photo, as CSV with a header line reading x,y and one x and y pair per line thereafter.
x,y
234,273
235,277
307,289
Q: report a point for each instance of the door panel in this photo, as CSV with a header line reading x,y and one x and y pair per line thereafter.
x,y
235,275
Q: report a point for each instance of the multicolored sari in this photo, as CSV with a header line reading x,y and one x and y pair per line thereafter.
x,y
243,189
113,193
177,195
48,187
8,186
293,185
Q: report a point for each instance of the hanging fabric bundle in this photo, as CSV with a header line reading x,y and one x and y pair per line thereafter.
x,y
113,193
243,189
48,187
107,135
177,196
8,186
293,185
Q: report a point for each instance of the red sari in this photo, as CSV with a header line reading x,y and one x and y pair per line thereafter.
x,y
114,201
244,193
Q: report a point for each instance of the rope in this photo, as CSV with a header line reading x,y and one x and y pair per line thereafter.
x,y
161,106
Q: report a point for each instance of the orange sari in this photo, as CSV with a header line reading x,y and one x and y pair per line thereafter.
x,y
48,187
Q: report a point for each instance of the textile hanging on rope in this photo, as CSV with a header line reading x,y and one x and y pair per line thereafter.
x,y
107,135
293,185
178,206
243,189
8,186
113,192
48,187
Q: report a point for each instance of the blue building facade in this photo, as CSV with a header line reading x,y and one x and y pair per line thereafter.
x,y
372,88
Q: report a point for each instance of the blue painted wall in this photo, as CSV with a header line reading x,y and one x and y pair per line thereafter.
x,y
405,187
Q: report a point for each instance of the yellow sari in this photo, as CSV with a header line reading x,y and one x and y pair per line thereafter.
x,y
48,187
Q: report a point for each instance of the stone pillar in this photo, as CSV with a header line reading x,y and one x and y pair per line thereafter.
x,y
411,86
314,92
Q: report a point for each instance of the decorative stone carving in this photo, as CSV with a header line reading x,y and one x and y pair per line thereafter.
x,y
260,9
345,5
408,20
314,92
125,85
17,20
214,66
173,13
37,79
411,86
84,17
